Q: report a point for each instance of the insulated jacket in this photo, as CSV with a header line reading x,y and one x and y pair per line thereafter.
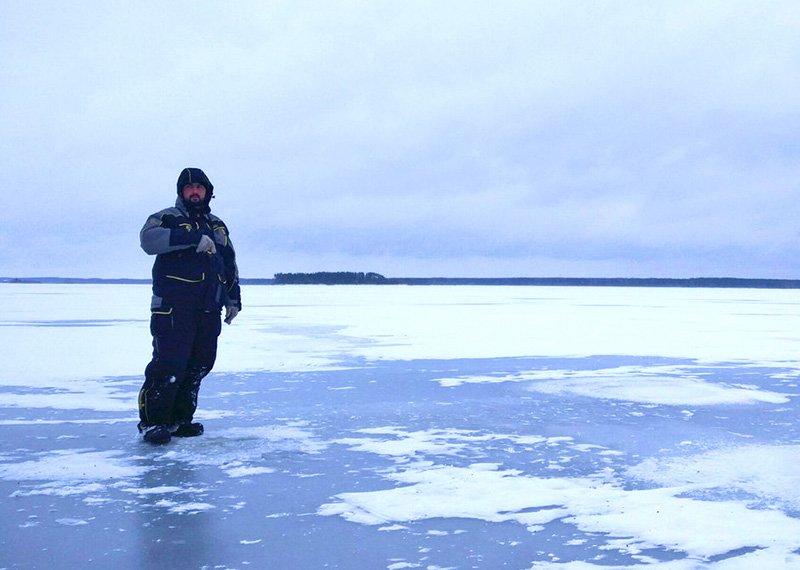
x,y
181,276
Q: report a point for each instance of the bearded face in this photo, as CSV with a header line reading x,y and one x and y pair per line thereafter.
x,y
194,194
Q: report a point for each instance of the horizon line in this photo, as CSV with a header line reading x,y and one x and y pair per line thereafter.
x,y
7,279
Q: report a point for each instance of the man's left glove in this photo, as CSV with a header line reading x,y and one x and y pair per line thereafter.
x,y
206,245
230,313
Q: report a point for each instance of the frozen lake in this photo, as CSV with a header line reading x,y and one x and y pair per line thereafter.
x,y
410,427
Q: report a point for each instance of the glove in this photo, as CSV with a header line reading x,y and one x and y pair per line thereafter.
x,y
230,313
206,245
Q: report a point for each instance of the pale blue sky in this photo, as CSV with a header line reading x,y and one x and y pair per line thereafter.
x,y
408,138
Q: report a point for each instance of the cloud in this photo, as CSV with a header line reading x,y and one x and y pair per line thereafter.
x,y
648,136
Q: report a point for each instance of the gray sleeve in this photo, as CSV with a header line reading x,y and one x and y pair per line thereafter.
x,y
233,293
156,237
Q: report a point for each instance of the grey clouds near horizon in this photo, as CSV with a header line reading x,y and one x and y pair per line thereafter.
x,y
412,139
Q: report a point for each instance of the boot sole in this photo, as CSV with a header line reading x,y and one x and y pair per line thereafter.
x,y
157,441
187,434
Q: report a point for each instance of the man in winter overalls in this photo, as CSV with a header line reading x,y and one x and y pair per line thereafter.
x,y
194,276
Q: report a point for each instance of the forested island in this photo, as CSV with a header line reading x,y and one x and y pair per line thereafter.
x,y
330,278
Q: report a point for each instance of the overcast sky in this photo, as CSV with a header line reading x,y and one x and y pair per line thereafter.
x,y
408,138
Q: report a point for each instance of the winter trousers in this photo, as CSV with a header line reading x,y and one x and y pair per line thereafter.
x,y
184,351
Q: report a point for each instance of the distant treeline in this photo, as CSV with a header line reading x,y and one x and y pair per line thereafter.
x,y
330,278
723,282
361,278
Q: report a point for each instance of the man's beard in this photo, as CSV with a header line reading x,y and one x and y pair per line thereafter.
x,y
194,204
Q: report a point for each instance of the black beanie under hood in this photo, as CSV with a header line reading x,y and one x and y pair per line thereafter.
x,y
195,175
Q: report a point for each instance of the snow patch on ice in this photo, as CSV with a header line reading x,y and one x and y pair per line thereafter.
x,y
94,395
183,508
60,490
248,471
392,527
71,522
666,391
433,442
72,465
97,500
654,518
283,437
771,472
239,451
669,385
35,422
208,414
404,446
163,489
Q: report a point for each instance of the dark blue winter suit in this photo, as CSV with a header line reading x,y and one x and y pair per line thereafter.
x,y
189,291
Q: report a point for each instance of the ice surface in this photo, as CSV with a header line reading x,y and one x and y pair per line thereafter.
x,y
418,427
66,331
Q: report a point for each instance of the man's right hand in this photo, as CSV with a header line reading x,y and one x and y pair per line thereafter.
x,y
206,245
230,313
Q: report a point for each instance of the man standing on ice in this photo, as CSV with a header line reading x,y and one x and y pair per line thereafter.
x,y
194,276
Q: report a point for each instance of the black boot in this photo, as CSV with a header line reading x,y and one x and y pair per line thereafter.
x,y
157,435
189,430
